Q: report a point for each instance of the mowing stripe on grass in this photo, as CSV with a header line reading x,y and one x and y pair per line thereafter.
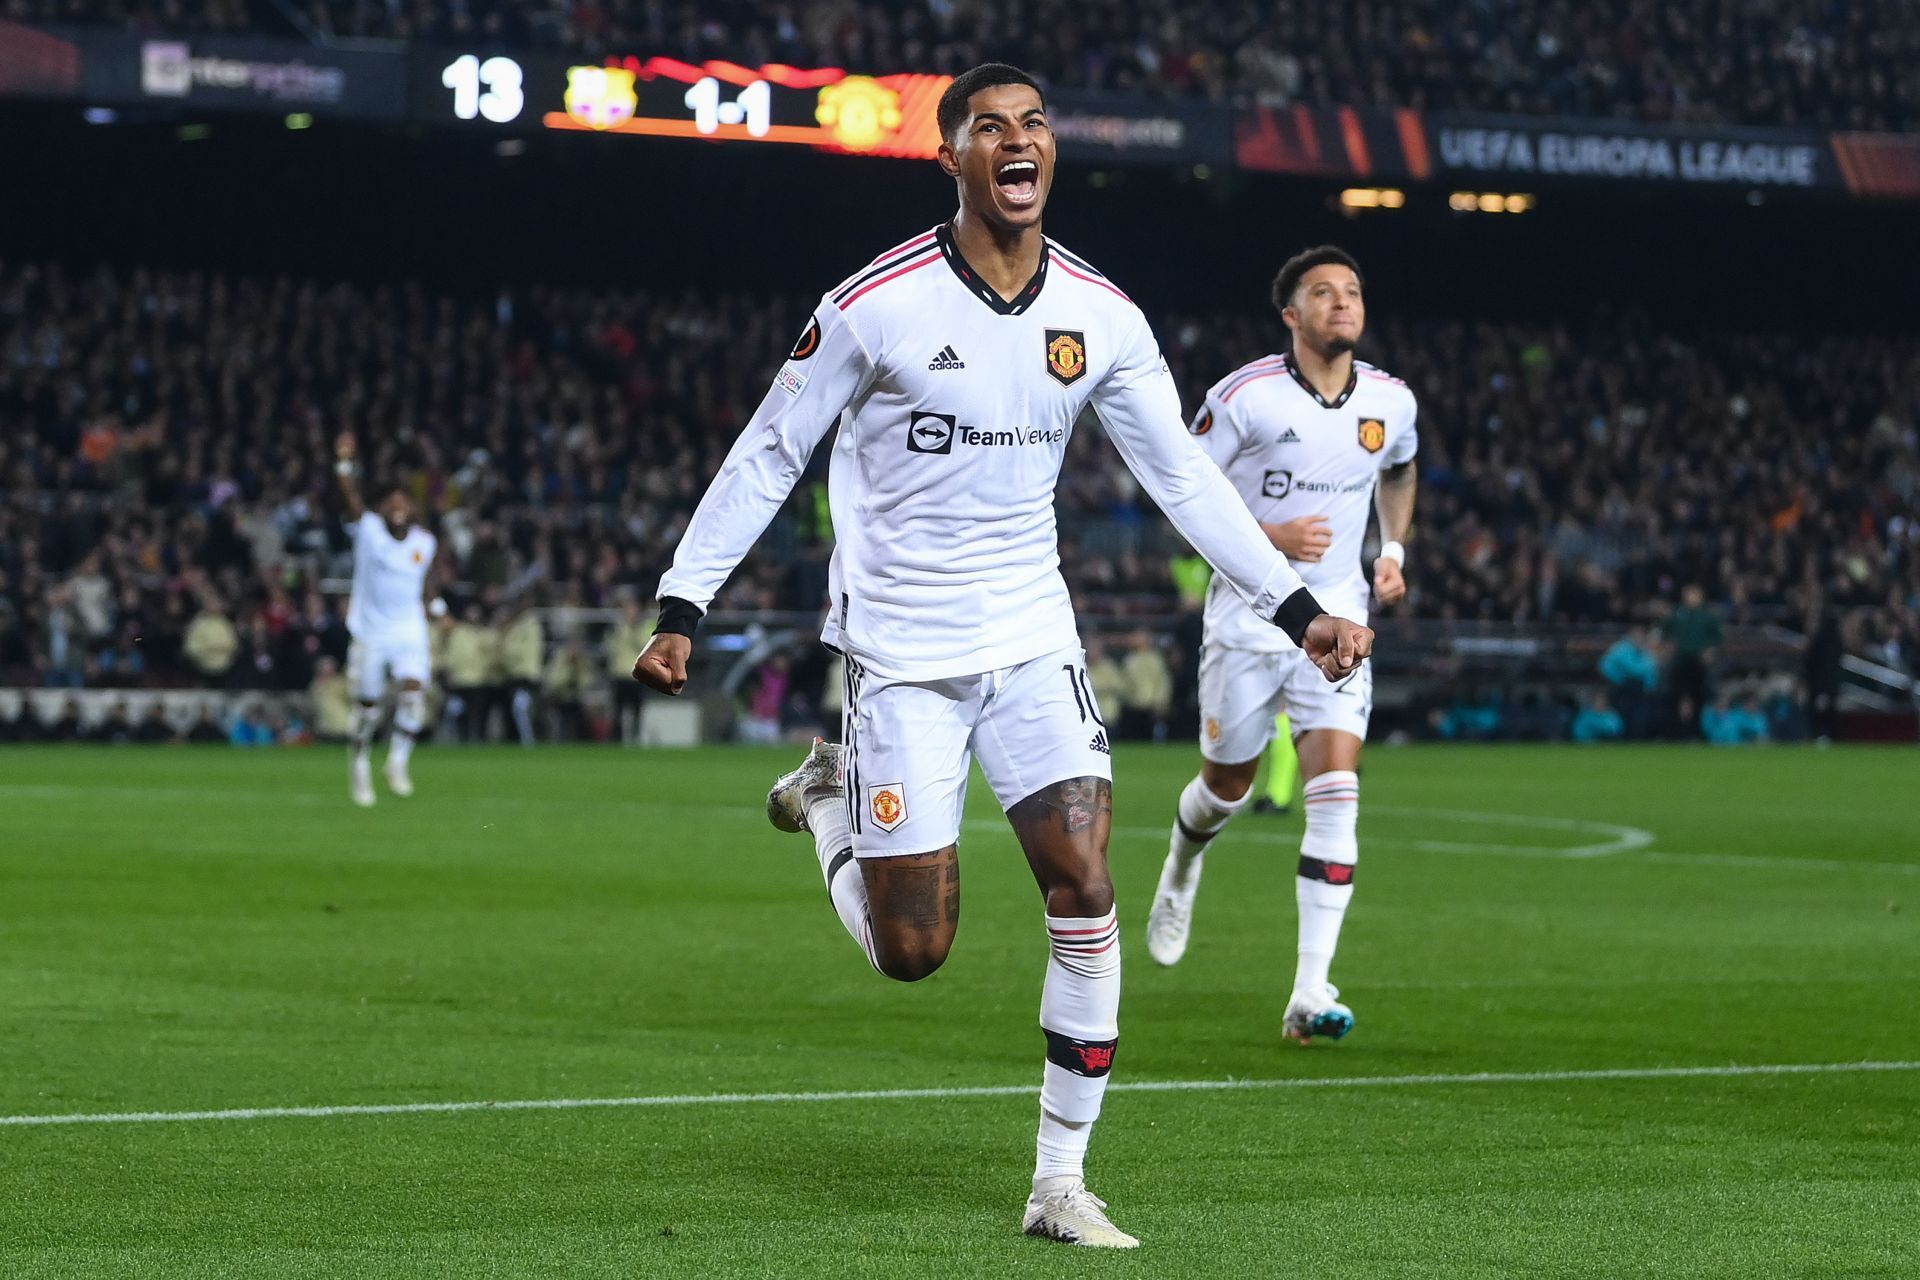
x,y
967,1091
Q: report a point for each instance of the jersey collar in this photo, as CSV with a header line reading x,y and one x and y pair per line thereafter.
x,y
980,288
1353,380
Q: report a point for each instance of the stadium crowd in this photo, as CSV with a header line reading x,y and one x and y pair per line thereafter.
x,y
169,516
1775,62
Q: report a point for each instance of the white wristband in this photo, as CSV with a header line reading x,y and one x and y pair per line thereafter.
x,y
1395,552
344,467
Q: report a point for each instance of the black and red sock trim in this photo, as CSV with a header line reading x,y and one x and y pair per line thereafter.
x,y
1326,872
1091,1058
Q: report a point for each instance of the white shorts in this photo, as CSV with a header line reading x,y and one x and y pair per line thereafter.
x,y
1241,692
371,663
909,745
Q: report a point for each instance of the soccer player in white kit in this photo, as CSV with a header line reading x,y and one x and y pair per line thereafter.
x,y
956,365
387,618
1311,440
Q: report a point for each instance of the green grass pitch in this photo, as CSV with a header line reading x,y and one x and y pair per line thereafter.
x,y
202,930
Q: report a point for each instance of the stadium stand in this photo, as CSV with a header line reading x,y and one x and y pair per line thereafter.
x,y
169,518
1779,62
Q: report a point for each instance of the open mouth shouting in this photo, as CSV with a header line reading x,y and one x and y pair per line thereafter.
x,y
1019,182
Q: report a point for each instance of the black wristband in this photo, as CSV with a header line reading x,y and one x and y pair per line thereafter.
x,y
677,617
1296,613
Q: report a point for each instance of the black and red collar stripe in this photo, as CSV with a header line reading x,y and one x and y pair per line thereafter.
x,y
1016,305
1353,380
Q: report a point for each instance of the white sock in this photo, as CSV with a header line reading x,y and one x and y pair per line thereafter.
x,y
1200,817
1324,884
833,843
1080,1016
409,717
1061,1149
366,719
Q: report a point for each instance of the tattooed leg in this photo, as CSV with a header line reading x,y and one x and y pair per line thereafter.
x,y
1063,829
915,906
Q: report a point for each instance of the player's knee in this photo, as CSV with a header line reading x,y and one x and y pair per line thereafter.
x,y
1230,782
911,957
1083,895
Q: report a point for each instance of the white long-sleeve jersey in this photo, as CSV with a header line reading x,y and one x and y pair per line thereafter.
x,y
1289,453
954,407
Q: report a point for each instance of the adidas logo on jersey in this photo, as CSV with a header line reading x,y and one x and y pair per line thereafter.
x,y
947,359
1289,436
1099,743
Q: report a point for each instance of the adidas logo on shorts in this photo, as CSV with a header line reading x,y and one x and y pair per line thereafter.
x,y
1099,743
946,360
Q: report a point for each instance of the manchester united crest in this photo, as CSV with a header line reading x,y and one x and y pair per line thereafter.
x,y
1066,355
887,802
1373,435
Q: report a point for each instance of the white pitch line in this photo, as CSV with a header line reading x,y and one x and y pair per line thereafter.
x,y
965,1091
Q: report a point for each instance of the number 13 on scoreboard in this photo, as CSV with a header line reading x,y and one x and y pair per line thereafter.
x,y
504,97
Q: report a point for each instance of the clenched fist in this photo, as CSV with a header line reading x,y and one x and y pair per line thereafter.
x,y
1337,646
662,665
1389,581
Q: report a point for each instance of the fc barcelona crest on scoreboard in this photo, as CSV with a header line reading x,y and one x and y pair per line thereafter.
x,y
1066,355
1373,434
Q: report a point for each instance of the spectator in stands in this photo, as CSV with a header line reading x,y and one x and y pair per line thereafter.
x,y
116,726
623,643
1597,721
521,657
1694,635
154,727
1727,723
330,698
211,641
1825,649
1147,697
568,683
121,665
766,694
251,728
467,663
68,727
205,728
1107,678
1631,668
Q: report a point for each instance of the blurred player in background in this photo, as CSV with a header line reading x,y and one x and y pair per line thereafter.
x,y
387,618
1282,772
1311,440
961,360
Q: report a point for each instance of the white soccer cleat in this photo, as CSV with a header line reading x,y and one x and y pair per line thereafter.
x,y
1171,919
360,782
819,775
398,780
1316,1013
1063,1209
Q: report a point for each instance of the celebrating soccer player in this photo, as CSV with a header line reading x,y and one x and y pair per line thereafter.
x,y
1310,440
961,360
387,618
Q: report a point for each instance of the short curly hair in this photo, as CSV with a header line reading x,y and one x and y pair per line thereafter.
x,y
1295,268
952,113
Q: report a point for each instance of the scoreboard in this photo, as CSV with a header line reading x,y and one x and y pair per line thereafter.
x,y
666,98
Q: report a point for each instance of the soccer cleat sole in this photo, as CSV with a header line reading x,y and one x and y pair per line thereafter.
x,y
1331,1025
